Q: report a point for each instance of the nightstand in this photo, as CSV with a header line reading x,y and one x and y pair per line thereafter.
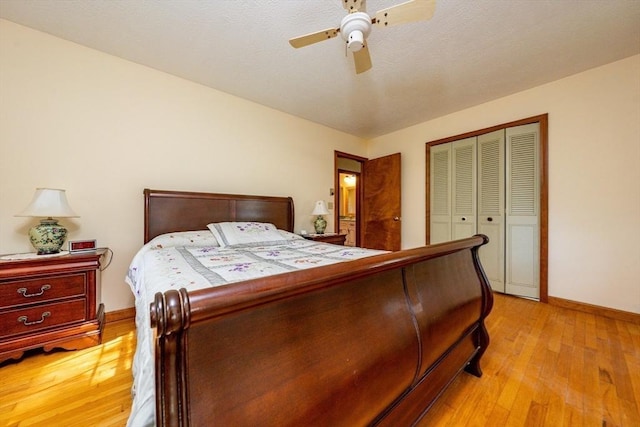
x,y
334,238
50,302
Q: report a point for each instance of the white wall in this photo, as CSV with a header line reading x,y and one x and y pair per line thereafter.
x,y
594,177
103,129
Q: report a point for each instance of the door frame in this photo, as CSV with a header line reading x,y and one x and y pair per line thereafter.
x,y
336,193
543,120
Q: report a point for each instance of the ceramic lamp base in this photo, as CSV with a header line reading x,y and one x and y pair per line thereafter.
x,y
320,224
48,236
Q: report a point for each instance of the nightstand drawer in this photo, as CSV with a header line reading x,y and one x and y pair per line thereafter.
x,y
28,320
333,238
21,292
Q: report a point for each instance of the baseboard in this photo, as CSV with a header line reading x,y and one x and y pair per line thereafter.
x,y
611,313
124,314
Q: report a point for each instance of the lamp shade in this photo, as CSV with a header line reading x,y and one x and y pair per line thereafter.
x,y
49,202
48,236
320,208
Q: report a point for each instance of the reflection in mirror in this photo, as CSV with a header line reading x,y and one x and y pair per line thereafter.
x,y
347,195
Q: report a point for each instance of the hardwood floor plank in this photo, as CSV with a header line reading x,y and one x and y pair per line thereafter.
x,y
485,410
590,381
546,366
621,374
574,418
580,330
591,337
529,337
498,417
634,335
555,408
633,363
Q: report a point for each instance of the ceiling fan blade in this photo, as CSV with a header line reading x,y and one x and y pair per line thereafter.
x,y
362,60
353,5
411,11
312,38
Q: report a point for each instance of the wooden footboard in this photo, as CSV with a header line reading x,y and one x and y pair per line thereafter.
x,y
371,341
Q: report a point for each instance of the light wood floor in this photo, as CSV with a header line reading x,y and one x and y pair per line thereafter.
x,y
545,366
90,387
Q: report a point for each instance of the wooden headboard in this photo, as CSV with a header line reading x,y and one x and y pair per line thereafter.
x,y
171,211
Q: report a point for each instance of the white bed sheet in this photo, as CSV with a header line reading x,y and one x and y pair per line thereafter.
x,y
194,260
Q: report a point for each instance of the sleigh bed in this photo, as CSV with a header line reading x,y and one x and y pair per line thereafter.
x,y
369,341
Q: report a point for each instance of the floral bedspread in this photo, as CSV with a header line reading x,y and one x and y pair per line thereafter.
x,y
199,267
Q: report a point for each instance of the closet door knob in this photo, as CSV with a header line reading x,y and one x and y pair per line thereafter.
x,y
464,219
489,219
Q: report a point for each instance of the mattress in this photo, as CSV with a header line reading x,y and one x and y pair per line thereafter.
x,y
224,254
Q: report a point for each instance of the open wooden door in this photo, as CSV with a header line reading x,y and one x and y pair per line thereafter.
x,y
381,214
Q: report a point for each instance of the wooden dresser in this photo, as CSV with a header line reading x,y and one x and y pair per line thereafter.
x,y
50,302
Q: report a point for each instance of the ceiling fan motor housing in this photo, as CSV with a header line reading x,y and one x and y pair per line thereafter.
x,y
354,28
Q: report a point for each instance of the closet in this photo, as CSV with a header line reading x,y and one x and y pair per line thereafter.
x,y
489,183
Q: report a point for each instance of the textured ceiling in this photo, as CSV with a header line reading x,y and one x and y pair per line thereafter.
x,y
470,52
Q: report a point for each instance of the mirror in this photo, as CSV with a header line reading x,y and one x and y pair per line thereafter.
x,y
347,195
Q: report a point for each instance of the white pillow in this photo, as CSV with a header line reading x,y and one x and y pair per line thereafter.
x,y
290,236
245,233
184,238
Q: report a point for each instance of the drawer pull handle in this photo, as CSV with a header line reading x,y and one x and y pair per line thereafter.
x,y
23,319
24,293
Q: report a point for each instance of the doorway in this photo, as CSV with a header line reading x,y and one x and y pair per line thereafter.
x,y
348,197
377,200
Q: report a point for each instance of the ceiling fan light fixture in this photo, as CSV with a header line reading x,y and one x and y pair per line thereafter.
x,y
354,28
356,41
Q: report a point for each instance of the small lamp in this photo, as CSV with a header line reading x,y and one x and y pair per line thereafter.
x,y
48,236
320,209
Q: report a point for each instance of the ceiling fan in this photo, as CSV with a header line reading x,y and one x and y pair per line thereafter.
x,y
356,26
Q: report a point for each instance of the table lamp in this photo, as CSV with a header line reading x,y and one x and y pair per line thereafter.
x,y
48,236
320,223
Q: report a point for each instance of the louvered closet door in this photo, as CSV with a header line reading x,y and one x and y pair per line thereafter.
x,y
523,211
491,188
440,193
463,197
